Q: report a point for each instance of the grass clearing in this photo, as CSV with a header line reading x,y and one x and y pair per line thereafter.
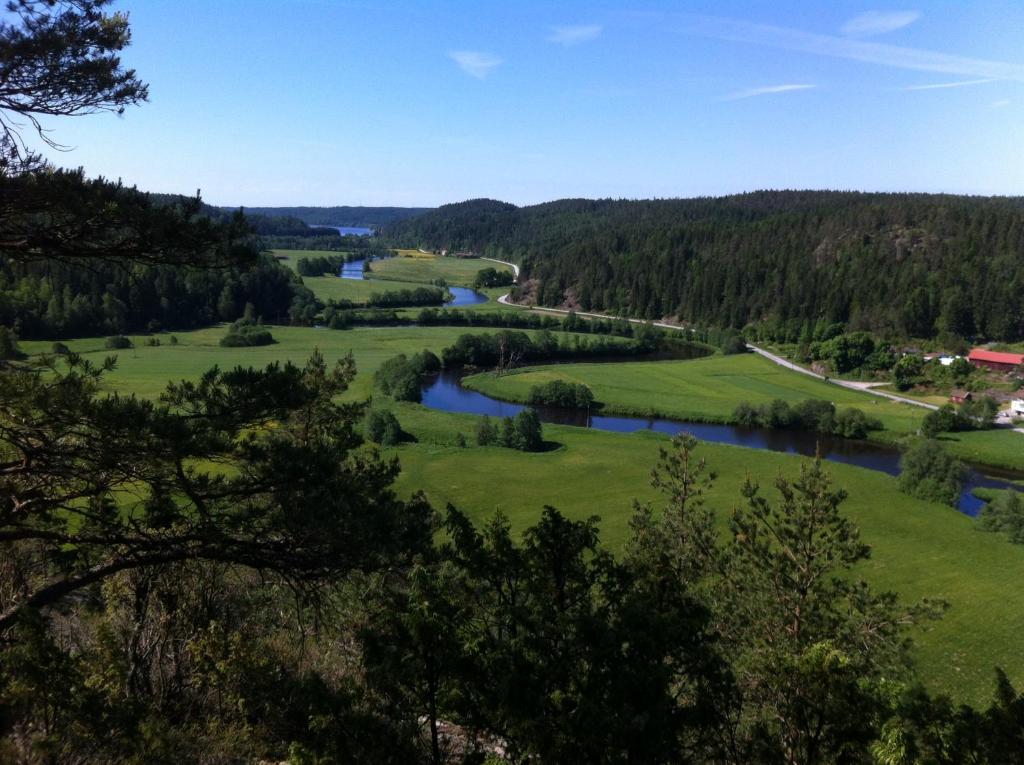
x,y
708,390
427,268
290,258
145,370
920,549
355,290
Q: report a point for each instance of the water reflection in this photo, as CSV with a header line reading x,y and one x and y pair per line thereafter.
x,y
444,392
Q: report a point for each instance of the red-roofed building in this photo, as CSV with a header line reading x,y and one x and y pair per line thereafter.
x,y
1001,362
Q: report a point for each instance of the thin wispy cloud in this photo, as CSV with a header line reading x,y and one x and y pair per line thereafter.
x,y
1001,103
857,50
474,62
878,22
766,91
574,35
956,84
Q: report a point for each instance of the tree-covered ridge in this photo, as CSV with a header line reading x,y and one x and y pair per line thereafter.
x,y
342,215
917,264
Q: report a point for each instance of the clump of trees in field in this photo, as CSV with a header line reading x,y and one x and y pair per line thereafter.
x,y
411,298
523,432
400,376
492,277
382,427
929,472
561,393
247,331
1004,514
811,414
320,265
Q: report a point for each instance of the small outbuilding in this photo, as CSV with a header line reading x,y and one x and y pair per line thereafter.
x,y
958,396
1017,407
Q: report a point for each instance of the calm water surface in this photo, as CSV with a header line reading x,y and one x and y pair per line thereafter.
x,y
349,230
445,393
460,295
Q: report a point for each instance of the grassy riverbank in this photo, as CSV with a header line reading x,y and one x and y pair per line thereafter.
x,y
920,549
145,370
708,390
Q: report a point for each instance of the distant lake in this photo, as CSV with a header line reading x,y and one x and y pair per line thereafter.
x,y
349,230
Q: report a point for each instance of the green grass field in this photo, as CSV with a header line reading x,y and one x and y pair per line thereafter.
x,y
702,389
427,268
145,370
708,390
409,271
291,258
920,549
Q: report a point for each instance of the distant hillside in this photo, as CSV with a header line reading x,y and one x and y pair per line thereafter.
x,y
913,264
369,217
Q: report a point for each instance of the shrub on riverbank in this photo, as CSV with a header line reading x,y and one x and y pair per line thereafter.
x,y
928,472
811,414
1005,515
523,432
399,376
563,394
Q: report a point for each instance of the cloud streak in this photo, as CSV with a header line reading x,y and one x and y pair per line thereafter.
x,y
474,63
767,90
574,35
878,22
856,50
944,85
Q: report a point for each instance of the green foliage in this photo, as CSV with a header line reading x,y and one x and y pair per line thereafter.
x,y
486,432
318,266
846,352
66,61
972,415
492,277
400,376
917,263
417,296
529,434
9,345
928,472
117,342
505,346
820,416
220,469
382,427
1004,514
243,333
563,394
906,371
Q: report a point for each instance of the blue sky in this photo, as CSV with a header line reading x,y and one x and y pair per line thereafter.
x,y
421,103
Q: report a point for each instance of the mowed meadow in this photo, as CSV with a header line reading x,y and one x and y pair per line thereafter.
x,y
708,390
408,270
920,549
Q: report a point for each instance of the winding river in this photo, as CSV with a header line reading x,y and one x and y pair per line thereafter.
x,y
445,393
461,296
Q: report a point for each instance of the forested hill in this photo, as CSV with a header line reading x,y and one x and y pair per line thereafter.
x,y
916,264
370,217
